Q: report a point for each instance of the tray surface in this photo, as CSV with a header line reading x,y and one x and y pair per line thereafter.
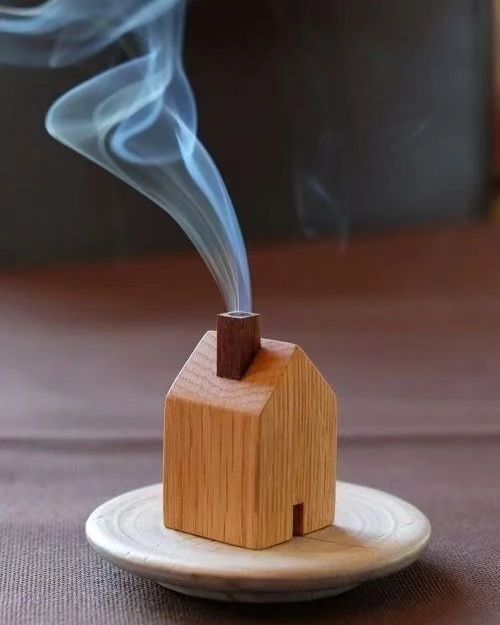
x,y
375,534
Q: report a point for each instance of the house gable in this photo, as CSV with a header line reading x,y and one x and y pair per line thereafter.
x,y
198,380
298,451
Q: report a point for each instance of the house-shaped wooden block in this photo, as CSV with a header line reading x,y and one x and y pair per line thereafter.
x,y
250,462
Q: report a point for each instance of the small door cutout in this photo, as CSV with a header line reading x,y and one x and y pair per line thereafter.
x,y
298,519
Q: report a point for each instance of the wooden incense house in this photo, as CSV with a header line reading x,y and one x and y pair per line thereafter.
x,y
250,440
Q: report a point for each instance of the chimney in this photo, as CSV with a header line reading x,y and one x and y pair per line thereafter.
x,y
238,341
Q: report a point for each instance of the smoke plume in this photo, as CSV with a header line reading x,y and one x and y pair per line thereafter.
x,y
138,120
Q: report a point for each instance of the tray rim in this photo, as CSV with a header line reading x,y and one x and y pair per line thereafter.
x,y
200,578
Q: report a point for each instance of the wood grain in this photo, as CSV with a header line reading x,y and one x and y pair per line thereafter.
x,y
238,341
240,454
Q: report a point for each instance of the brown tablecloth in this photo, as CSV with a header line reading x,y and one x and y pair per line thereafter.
x,y
406,327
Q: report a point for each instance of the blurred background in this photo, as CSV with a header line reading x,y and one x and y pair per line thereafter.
x,y
360,142
325,118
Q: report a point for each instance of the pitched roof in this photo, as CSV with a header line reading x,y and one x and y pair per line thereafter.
x,y
198,382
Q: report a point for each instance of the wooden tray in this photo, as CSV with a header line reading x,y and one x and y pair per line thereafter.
x,y
374,534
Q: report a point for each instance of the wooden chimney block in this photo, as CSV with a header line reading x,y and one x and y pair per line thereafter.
x,y
250,462
238,341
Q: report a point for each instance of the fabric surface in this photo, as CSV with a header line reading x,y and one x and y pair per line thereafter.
x,y
406,328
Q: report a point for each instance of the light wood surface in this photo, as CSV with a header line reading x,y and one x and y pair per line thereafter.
x,y
239,455
374,534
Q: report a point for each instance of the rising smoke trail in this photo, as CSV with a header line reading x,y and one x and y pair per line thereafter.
x,y
138,119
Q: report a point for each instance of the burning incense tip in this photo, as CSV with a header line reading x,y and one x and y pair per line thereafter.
x,y
238,341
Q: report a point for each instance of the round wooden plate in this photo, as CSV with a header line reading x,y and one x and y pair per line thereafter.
x,y
374,534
